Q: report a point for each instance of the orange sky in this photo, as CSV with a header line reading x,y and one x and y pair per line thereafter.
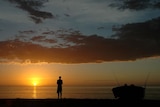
x,y
112,73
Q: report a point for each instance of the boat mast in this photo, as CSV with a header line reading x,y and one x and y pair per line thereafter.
x,y
116,79
146,79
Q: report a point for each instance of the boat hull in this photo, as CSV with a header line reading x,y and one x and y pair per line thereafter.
x,y
129,92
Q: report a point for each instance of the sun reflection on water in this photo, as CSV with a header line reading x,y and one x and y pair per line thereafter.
x,y
34,92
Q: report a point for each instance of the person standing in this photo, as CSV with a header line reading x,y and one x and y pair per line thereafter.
x,y
59,87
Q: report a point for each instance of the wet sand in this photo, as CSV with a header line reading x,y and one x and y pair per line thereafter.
x,y
77,103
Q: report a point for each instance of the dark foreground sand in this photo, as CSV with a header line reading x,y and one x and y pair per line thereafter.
x,y
77,103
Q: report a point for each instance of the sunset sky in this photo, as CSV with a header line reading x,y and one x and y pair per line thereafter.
x,y
87,42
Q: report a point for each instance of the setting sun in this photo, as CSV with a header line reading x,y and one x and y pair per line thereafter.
x,y
35,81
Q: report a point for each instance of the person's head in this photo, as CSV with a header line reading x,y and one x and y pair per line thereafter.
x,y
59,77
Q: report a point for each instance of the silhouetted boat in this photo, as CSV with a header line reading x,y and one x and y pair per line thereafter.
x,y
129,92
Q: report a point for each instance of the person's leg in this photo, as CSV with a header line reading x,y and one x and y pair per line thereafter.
x,y
61,95
58,95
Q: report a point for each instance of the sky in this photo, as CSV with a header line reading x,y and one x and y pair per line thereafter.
x,y
87,42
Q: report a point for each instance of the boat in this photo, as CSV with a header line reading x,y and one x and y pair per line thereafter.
x,y
129,92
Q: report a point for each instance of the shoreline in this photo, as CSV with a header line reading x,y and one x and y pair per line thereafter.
x,y
71,102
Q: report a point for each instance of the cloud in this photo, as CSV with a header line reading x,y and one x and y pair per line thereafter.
x,y
131,42
136,4
32,7
43,39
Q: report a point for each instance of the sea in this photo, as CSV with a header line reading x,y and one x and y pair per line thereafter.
x,y
76,92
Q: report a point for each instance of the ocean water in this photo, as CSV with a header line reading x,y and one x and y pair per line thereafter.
x,y
47,92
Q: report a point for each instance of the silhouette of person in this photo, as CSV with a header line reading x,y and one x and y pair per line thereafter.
x,y
59,87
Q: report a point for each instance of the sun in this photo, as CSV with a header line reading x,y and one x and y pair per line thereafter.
x,y
35,81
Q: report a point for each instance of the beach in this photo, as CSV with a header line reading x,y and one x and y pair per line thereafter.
x,y
72,97
77,103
